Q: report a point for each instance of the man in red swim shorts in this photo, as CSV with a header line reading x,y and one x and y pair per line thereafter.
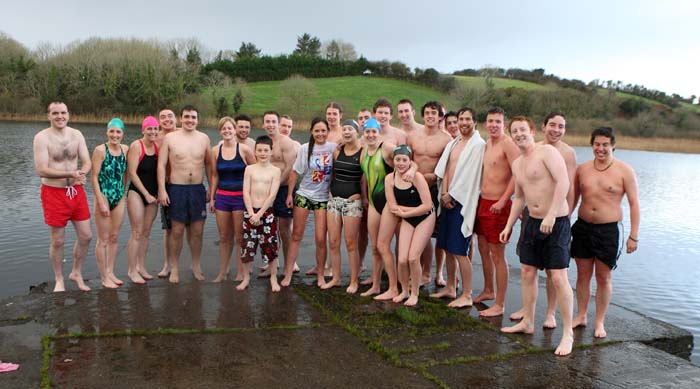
x,y
497,187
56,153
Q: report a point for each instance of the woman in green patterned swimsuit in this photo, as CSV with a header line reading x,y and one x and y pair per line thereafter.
x,y
108,182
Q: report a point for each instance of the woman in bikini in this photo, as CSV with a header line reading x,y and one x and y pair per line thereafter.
x,y
410,201
108,183
142,204
228,160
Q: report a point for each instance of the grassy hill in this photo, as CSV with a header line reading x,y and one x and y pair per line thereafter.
x,y
479,83
353,92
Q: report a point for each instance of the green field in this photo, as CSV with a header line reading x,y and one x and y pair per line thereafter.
x,y
353,92
499,83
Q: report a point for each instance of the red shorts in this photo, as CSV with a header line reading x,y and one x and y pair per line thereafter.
x,y
488,224
63,204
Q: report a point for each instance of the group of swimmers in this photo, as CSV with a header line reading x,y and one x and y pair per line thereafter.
x,y
366,181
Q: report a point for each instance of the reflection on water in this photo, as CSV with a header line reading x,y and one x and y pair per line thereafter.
x,y
658,280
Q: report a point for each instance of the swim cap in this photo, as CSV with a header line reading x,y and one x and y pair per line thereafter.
x,y
149,121
403,150
351,123
116,122
372,123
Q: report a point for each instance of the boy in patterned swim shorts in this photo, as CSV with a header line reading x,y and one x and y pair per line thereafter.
x,y
260,184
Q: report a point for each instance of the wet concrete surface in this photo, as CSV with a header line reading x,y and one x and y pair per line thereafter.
x,y
210,335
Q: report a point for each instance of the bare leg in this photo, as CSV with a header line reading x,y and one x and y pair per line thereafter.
x,y
238,239
274,286
465,267
84,233
352,227
584,270
603,295
300,216
373,218
489,270
165,272
529,289
246,276
426,261
439,266
102,225
224,223
149,217
363,242
404,275
565,301
499,259
387,226
137,213
550,320
451,289
115,224
335,227
57,235
175,247
420,239
320,233
194,239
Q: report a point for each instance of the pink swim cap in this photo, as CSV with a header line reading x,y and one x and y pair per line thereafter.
x,y
149,121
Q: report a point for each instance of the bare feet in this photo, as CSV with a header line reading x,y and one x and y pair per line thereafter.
x,y
78,278
115,279
239,277
580,321
550,322
60,286
388,295
286,281
425,279
244,284
165,273
485,296
220,278
370,292
518,315
462,301
174,276
444,292
274,285
402,296
493,311
352,289
145,274
521,327
136,278
264,272
440,281
311,271
331,284
107,283
599,330
565,345
296,268
366,281
197,273
412,301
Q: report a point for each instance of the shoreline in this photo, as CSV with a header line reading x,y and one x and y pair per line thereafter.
x,y
658,144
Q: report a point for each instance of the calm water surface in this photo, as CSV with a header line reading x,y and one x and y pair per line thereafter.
x,y
659,280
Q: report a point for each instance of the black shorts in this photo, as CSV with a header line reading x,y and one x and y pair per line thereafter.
x,y
546,251
279,206
601,241
188,203
435,196
523,219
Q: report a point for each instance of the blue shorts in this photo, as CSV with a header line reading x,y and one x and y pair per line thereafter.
x,y
450,236
228,201
279,206
188,203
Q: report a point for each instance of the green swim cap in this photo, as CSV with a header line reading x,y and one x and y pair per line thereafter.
x,y
116,122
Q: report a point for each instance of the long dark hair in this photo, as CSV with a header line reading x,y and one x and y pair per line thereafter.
x,y
315,121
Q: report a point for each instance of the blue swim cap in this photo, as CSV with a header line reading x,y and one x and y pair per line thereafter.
x,y
372,123
116,122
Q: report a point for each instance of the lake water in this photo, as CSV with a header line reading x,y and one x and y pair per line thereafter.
x,y
659,280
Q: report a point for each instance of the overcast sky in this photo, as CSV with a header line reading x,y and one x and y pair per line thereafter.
x,y
652,43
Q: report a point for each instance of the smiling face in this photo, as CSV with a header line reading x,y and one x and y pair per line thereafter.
x,y
349,134
495,124
320,133
554,130
150,133
167,121
333,116
189,120
383,115
401,162
371,136
362,117
465,122
227,130
115,135
58,115
431,117
271,125
452,126
602,148
242,129
522,134
406,113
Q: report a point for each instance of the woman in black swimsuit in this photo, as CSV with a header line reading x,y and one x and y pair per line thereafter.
x,y
412,203
142,163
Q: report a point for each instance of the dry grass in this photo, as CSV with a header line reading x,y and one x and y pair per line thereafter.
x,y
670,145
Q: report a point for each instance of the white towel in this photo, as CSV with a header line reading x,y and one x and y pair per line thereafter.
x,y
466,183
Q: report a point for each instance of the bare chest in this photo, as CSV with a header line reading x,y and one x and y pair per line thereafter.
x,y
63,149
